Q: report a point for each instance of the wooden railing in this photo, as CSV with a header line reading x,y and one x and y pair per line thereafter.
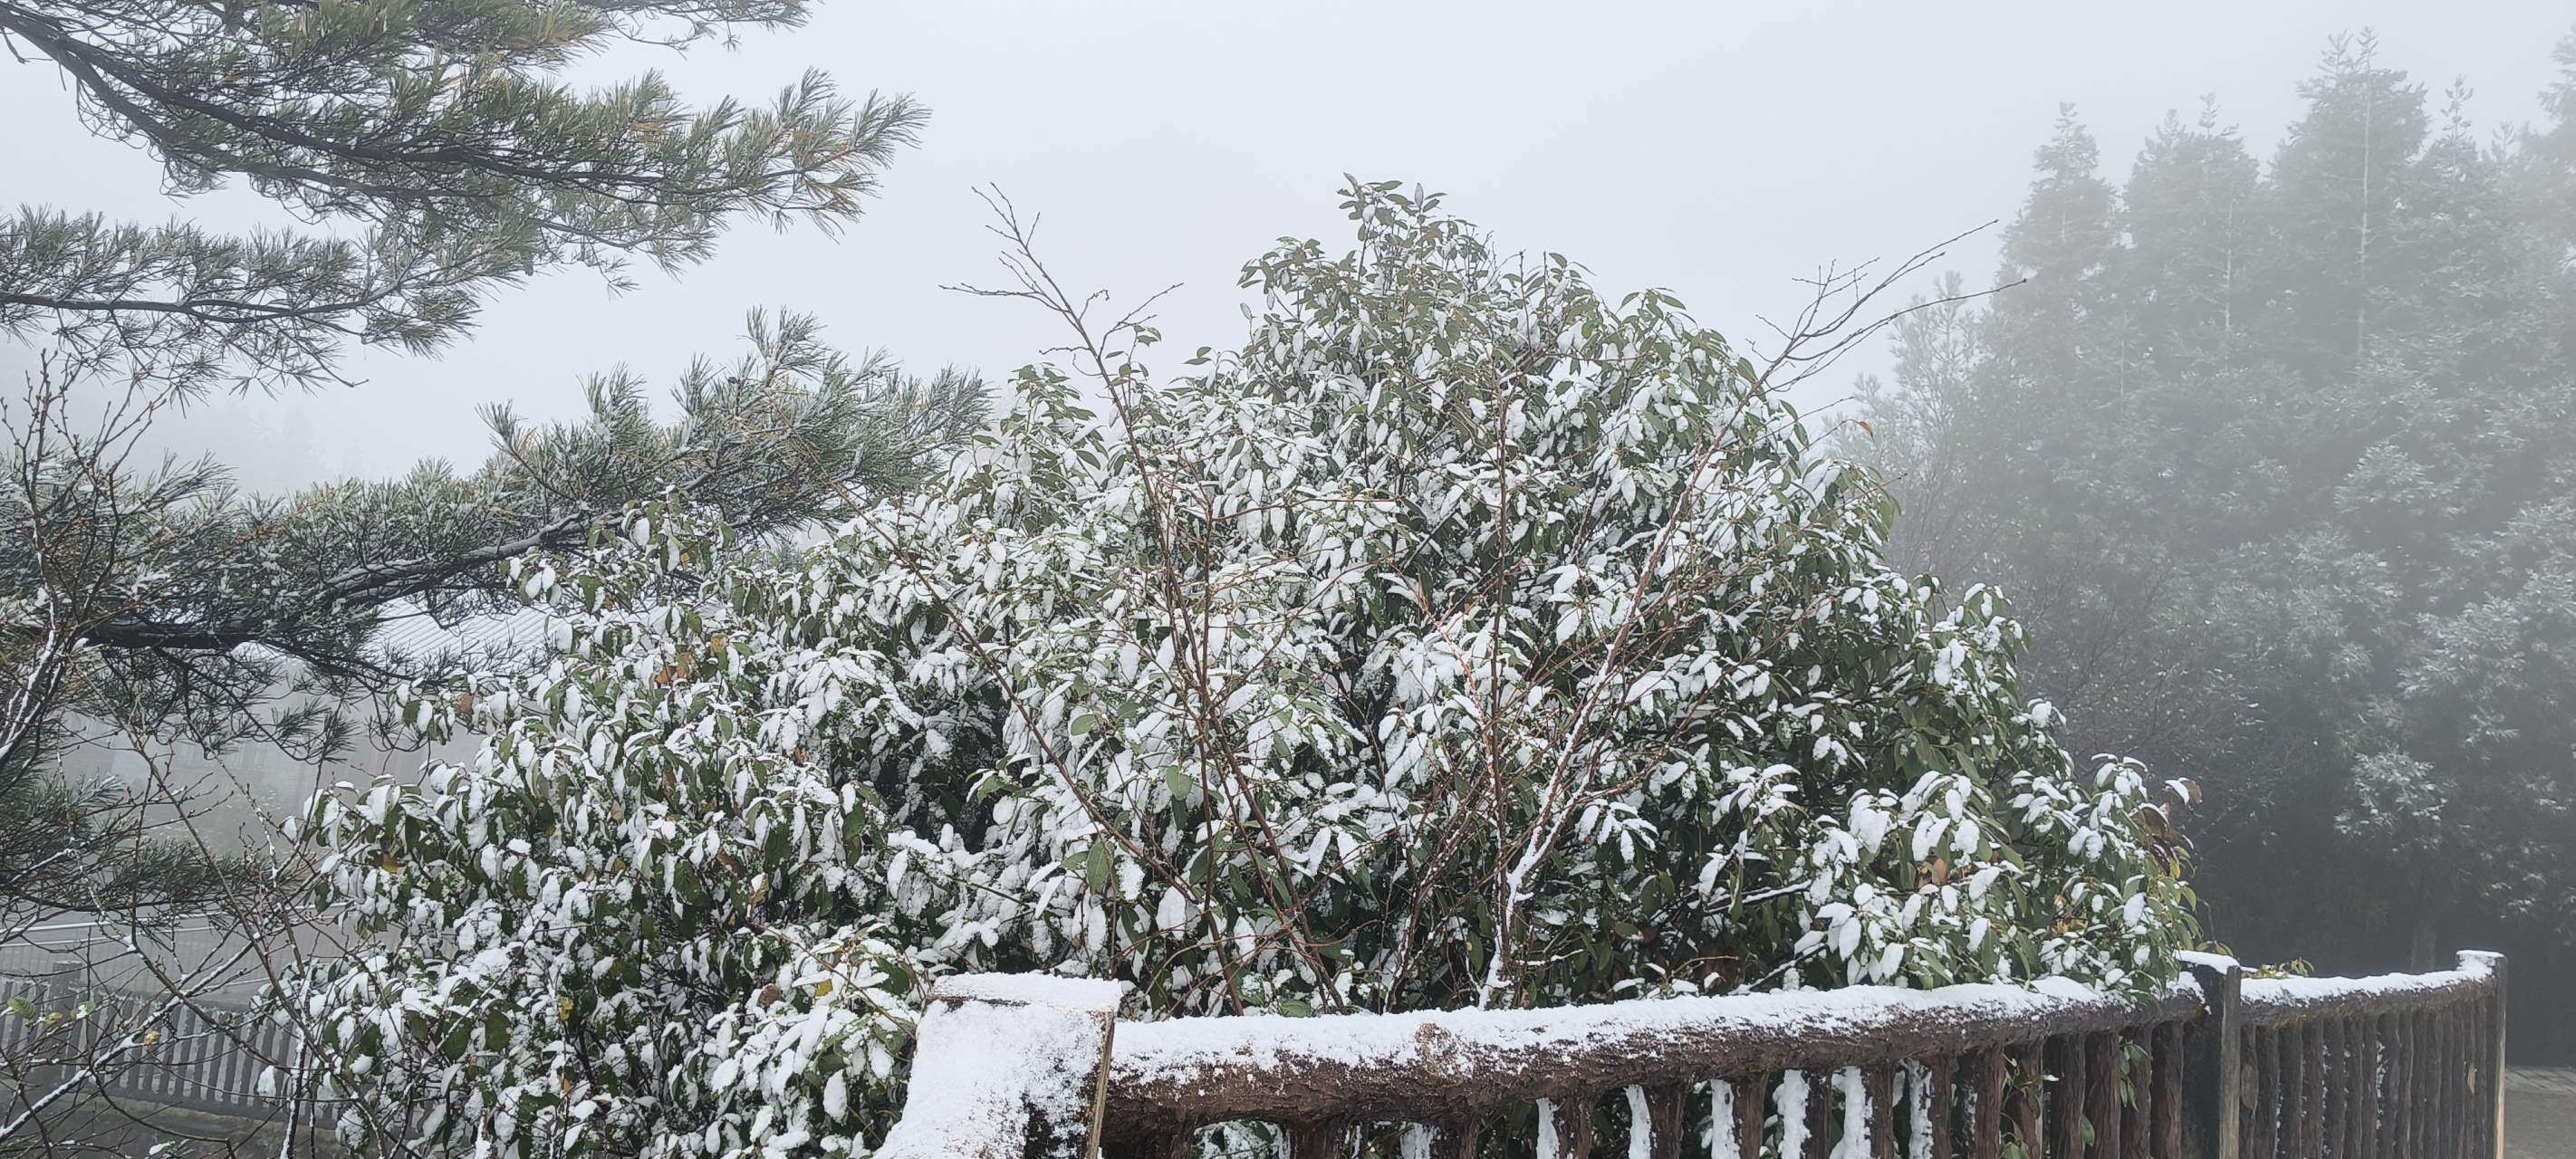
x,y
2394,1067
2217,1066
144,1048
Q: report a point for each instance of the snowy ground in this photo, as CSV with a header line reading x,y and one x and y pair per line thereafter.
x,y
2540,1113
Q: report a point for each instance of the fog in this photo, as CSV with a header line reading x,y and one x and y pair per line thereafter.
x,y
1720,151
2262,435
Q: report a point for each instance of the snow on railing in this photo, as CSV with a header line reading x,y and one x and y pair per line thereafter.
x,y
2397,1066
2215,1067
1006,1066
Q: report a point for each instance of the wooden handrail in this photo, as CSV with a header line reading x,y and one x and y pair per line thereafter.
x,y
2216,1066
2271,1001
1190,1072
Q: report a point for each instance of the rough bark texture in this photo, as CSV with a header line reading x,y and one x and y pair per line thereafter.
x,y
1420,1067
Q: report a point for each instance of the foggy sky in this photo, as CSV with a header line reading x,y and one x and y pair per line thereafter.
x,y
1719,150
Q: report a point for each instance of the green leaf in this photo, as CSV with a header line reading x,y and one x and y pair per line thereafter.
x,y
1095,874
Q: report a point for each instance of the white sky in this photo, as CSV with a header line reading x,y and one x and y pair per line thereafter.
x,y
1716,149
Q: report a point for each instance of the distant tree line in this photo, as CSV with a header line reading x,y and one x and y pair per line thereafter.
x,y
2275,460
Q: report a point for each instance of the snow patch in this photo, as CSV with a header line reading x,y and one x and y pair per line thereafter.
x,y
1183,1050
1004,1059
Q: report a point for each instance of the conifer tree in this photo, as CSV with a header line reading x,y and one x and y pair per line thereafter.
x,y
437,157
2267,467
439,145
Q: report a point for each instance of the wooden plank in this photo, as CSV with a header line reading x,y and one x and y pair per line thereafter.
x,y
1183,1073
2067,1053
1941,1088
2429,1099
2400,1045
2466,1088
2382,1116
2263,1129
2490,1054
2331,1033
2168,1082
1664,1104
2451,1056
2495,1056
2437,1083
2290,1085
2312,1122
1320,1139
2417,1085
1752,1095
1455,1137
2137,1071
2030,1098
2212,1046
2370,1072
1986,1112
1878,1087
2102,1094
2276,1001
1570,1122
1818,1111
2419,1139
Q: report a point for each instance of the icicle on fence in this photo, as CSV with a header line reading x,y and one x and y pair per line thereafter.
x,y
142,1049
2216,1067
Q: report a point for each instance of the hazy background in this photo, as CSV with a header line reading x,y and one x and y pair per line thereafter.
x,y
1720,150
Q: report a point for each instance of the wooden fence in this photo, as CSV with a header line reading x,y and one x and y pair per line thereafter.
x,y
143,1049
2218,1066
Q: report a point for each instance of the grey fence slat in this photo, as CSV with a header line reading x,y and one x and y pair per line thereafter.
x,y
235,1077
209,1059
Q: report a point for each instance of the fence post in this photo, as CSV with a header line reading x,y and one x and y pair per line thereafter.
x,y
2491,1060
2212,1059
1008,1066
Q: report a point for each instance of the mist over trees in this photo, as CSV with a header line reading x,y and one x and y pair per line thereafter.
x,y
2272,455
1461,636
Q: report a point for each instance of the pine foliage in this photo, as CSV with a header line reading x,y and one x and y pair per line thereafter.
x,y
165,601
435,146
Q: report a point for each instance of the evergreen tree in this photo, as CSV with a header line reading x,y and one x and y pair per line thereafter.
x,y
435,140
437,158
449,161
2265,454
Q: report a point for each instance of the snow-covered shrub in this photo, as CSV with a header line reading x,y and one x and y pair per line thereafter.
x,y
1465,638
